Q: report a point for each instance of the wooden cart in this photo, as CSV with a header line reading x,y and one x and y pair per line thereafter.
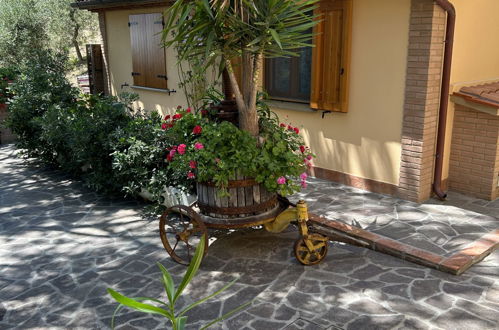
x,y
181,228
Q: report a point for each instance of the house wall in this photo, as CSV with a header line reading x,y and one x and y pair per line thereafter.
x,y
476,52
120,64
366,141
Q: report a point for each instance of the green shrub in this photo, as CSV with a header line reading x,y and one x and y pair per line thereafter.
x,y
80,138
139,159
6,76
41,84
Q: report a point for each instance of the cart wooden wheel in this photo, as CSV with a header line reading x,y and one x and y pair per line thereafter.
x,y
311,257
181,229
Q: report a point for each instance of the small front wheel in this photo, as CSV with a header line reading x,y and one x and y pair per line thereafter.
x,y
311,256
181,229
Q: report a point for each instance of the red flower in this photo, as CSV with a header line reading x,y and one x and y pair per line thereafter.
x,y
302,149
192,164
204,112
164,126
290,127
309,157
181,149
191,175
177,116
282,125
188,110
297,131
167,117
169,157
197,130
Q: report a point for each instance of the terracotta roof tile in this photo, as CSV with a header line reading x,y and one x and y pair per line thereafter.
x,y
488,93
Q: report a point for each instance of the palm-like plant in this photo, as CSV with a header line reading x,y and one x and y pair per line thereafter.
x,y
223,30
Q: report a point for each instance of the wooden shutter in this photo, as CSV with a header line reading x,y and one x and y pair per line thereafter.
x,y
148,56
330,59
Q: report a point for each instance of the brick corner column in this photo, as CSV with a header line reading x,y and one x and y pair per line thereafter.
x,y
422,96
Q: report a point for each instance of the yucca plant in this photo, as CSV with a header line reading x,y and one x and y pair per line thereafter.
x,y
250,30
177,319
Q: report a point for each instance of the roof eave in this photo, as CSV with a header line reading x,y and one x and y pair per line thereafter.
x,y
98,5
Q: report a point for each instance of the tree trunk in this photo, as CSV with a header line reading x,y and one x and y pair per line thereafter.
x,y
76,33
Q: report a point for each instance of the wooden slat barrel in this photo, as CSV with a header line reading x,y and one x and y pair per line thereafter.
x,y
247,198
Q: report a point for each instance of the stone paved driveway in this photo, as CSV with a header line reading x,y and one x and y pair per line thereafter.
x,y
62,245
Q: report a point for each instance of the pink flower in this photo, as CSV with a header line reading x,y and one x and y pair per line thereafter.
x,y
297,131
191,175
181,149
198,146
164,126
302,149
303,176
304,184
309,157
172,153
281,180
192,164
197,129
188,110
167,117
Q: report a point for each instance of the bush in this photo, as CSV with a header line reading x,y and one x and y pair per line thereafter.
x,y
139,160
6,76
80,138
41,84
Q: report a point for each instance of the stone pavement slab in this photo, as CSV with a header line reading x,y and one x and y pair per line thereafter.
x,y
62,245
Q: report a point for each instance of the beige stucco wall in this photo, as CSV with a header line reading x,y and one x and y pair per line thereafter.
x,y
120,64
476,51
366,141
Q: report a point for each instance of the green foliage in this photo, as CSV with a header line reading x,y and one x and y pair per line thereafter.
x,y
41,84
79,138
219,152
228,28
30,25
7,75
139,159
178,320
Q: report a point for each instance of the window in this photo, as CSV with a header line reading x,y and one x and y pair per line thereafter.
x,y
148,57
288,79
320,75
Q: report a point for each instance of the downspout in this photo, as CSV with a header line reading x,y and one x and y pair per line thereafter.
x,y
444,96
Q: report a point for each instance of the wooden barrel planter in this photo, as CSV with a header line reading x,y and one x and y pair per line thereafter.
x,y
249,202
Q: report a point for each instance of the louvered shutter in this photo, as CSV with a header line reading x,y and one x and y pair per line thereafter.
x,y
330,56
148,57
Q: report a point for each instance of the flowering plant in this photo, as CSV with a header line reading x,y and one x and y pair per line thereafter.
x,y
217,152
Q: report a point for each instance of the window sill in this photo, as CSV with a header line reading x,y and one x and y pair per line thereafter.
x,y
295,106
151,89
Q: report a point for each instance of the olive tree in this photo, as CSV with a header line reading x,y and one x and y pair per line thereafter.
x,y
223,30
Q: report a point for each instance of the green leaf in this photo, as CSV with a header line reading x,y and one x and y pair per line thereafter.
x,y
191,306
180,322
193,268
227,315
276,37
168,284
132,303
